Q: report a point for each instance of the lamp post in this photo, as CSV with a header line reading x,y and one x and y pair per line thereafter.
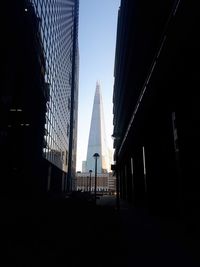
x,y
90,171
96,156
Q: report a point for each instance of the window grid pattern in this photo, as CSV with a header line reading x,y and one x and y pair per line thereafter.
x,y
56,26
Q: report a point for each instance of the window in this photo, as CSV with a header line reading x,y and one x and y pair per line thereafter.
x,y
67,129
69,103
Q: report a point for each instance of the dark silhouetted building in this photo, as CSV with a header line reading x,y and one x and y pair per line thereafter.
x,y
39,96
156,106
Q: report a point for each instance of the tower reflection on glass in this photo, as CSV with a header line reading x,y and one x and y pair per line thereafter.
x,y
96,156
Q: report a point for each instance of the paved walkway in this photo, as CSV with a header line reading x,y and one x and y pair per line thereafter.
x,y
77,233
150,241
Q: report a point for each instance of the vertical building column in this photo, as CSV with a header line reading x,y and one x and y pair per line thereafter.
x,y
161,173
121,179
129,180
188,132
139,192
132,178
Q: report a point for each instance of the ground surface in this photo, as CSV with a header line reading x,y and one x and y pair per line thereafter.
x,y
66,232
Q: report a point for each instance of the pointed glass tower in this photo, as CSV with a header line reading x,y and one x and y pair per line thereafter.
x,y
97,137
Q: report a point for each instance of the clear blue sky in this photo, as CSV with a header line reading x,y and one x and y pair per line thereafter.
x,y
97,39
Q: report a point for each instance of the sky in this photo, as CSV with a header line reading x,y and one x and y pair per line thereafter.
x,y
97,39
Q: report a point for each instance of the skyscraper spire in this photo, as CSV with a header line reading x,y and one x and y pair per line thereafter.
x,y
97,136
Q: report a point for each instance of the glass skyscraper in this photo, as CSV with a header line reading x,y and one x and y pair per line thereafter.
x,y
97,142
46,34
58,25
59,34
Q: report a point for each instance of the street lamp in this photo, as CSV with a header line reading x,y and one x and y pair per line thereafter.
x,y
96,156
90,171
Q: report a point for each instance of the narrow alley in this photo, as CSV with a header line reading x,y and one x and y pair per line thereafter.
x,y
75,232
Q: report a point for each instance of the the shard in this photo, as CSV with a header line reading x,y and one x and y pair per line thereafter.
x,y
97,137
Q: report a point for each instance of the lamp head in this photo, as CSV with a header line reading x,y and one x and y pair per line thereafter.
x,y
96,155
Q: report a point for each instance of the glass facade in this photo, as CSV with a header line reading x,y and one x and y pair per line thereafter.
x,y
58,29
97,142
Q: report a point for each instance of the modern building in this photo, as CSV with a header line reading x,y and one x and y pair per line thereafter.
x,y
97,137
39,100
155,105
84,166
97,144
112,183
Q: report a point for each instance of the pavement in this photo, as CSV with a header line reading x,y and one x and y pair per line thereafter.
x,y
76,232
